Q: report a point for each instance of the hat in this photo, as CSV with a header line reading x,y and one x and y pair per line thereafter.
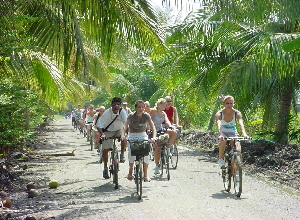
x,y
125,103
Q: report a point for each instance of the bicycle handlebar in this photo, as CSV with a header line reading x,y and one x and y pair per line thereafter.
x,y
236,138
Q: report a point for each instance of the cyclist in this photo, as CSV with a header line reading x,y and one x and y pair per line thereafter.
x,y
89,120
78,117
137,124
73,116
147,107
113,120
158,117
171,111
99,113
125,107
226,119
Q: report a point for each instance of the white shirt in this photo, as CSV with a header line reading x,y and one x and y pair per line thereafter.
x,y
108,116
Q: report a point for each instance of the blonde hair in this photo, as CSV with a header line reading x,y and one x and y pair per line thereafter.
x,y
227,97
159,102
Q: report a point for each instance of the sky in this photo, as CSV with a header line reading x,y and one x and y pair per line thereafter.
x,y
186,7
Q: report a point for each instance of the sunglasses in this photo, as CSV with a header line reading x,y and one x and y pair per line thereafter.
x,y
169,101
227,103
116,105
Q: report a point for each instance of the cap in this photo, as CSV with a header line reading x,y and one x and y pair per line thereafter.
x,y
125,103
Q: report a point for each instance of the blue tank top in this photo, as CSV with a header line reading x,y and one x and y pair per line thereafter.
x,y
157,121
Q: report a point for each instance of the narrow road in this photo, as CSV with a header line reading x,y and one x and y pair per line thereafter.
x,y
195,190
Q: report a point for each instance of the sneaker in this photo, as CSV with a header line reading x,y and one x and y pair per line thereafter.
x,y
221,163
157,170
105,173
122,158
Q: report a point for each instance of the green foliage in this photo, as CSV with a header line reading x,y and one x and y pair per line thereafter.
x,y
21,111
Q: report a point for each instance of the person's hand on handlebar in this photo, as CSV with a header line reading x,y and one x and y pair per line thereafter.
x,y
221,137
153,140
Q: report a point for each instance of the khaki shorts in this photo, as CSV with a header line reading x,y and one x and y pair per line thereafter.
x,y
108,144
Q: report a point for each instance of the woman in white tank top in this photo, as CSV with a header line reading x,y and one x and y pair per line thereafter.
x,y
226,119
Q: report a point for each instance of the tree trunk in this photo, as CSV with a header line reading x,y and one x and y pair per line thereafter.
x,y
281,133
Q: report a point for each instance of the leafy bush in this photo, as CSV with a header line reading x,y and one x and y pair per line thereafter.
x,y
21,111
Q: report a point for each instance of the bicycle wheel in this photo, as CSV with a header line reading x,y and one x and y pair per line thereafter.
x,y
92,139
115,177
174,158
162,161
100,152
226,175
139,180
167,164
237,175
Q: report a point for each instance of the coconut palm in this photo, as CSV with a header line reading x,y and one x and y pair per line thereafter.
x,y
236,47
59,47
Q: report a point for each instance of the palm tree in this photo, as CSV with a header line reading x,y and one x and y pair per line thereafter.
x,y
236,48
59,47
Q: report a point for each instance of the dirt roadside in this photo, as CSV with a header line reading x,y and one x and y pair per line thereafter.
x,y
195,190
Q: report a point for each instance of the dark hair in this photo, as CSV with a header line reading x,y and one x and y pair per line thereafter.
x,y
116,99
138,102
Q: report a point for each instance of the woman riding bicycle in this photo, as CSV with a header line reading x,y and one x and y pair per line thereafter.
x,y
158,117
226,119
137,124
99,113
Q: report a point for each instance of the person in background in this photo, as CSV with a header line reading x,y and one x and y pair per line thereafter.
x,y
99,113
118,116
89,120
226,119
73,116
158,116
171,112
78,117
147,107
126,108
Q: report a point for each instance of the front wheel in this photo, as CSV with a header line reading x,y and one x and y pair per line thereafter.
x,y
237,175
92,139
115,174
139,180
167,165
174,158
226,175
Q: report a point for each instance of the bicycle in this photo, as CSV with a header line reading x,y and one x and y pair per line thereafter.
x,y
164,162
139,149
233,168
100,151
114,161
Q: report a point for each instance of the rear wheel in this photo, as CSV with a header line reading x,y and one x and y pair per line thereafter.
x,y
226,175
100,152
174,158
237,175
162,162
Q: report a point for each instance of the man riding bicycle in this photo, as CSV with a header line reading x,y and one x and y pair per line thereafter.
x,y
110,124
226,119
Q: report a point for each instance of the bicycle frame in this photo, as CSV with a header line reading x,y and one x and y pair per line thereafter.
x,y
233,169
114,161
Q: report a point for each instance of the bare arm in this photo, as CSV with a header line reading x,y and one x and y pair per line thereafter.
x,y
150,122
241,124
124,129
219,125
176,118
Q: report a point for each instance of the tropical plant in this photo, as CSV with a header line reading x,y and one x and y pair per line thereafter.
x,y
236,47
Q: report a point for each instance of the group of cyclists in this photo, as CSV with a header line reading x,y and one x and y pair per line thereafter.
x,y
118,120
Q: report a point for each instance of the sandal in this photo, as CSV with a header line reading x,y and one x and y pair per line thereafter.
x,y
129,177
147,179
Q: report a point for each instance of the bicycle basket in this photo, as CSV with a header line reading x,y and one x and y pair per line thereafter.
x,y
140,148
163,140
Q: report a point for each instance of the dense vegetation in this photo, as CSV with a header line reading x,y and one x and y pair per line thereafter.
x,y
55,54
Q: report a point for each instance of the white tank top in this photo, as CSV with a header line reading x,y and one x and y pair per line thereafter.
x,y
229,127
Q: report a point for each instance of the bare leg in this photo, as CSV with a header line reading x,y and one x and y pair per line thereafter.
x,y
222,145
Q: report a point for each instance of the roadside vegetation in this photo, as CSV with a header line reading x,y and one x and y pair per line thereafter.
x,y
56,54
